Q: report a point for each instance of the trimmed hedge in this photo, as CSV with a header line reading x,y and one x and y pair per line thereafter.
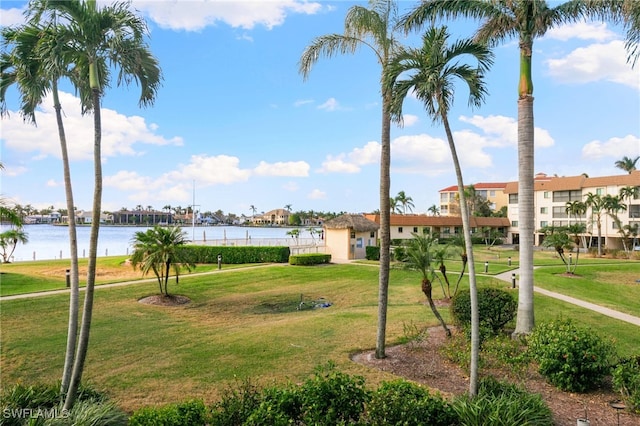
x,y
237,254
496,307
309,259
372,253
186,413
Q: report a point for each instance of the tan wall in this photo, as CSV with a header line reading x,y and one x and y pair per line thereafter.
x,y
341,246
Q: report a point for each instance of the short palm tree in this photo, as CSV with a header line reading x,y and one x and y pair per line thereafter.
x,y
10,239
577,209
627,164
597,205
430,72
158,250
434,210
418,257
373,28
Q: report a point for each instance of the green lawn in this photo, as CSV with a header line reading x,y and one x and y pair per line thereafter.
x,y
239,326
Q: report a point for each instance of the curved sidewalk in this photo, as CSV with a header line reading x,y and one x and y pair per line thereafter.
x,y
506,276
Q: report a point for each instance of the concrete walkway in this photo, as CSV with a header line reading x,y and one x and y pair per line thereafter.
x,y
507,276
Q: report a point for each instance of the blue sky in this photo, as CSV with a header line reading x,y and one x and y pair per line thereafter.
x,y
236,120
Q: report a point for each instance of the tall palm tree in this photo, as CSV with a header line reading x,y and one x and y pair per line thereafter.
x,y
405,201
431,73
418,256
35,64
628,193
504,20
576,209
100,39
627,164
373,28
158,250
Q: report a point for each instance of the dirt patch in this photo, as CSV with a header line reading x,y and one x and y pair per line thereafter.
x,y
424,363
162,300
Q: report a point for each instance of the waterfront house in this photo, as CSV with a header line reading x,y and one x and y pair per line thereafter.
x,y
347,236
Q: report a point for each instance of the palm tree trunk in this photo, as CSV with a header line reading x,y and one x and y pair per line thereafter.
x,y
473,290
72,331
87,311
166,278
427,290
385,230
525,316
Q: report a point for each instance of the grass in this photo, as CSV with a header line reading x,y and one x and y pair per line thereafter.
x,y
239,326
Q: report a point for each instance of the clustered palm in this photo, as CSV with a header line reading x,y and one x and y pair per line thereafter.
x,y
158,250
84,42
430,73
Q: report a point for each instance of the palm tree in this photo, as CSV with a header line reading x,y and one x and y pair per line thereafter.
x,y
158,250
627,164
287,207
405,201
35,64
576,209
526,20
418,257
628,193
253,209
434,210
100,39
372,28
9,240
612,205
430,73
597,204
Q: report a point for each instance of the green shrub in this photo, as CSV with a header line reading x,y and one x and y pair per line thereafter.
x,y
405,403
236,254
330,397
501,403
45,399
572,358
236,405
90,412
277,407
309,259
496,308
626,380
372,253
186,413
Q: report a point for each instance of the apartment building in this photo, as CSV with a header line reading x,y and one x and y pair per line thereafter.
x,y
490,191
552,193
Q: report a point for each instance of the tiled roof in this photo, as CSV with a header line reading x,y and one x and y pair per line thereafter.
x,y
479,185
546,183
424,220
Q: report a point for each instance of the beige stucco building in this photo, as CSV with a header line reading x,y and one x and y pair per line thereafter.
x,y
347,236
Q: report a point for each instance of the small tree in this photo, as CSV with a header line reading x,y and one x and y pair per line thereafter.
x,y
158,250
558,238
9,240
418,257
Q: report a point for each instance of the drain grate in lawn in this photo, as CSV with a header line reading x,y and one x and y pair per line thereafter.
x,y
290,303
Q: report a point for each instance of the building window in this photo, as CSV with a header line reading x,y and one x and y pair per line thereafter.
x,y
514,223
492,193
399,229
444,209
415,229
446,230
372,235
544,210
513,198
443,197
543,224
634,211
353,234
560,212
546,194
599,191
564,196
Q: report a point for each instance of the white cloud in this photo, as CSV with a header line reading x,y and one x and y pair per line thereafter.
x,y
601,61
501,131
409,120
13,170
330,104
597,31
291,168
12,16
120,134
422,154
210,170
352,161
613,148
194,15
51,183
317,194
302,102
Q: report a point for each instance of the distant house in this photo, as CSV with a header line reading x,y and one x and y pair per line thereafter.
x,y
493,192
347,236
273,217
86,217
142,217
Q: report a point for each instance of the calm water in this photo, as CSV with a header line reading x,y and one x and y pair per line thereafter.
x,y
52,242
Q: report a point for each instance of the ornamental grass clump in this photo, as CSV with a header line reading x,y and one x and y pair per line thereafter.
x,y
572,358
